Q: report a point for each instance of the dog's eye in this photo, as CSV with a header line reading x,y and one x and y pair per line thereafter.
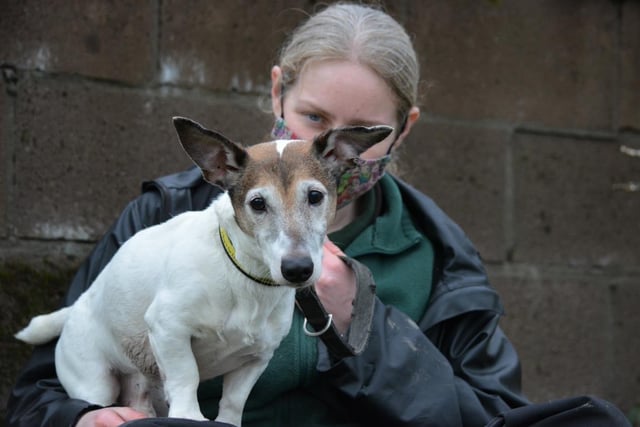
x,y
315,197
258,204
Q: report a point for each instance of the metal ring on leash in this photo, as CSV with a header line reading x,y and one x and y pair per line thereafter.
x,y
317,334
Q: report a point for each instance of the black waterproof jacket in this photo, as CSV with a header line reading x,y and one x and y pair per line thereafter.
x,y
460,369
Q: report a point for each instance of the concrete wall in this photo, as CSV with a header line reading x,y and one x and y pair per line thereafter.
x,y
525,107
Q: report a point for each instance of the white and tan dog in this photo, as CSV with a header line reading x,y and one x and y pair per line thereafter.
x,y
172,309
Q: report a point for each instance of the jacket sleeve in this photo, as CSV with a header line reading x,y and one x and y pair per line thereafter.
x,y
38,399
463,371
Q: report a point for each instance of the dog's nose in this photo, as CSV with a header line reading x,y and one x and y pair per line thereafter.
x,y
297,270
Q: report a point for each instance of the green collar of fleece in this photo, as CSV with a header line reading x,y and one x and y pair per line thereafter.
x,y
398,255
392,232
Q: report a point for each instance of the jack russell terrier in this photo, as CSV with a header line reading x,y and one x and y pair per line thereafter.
x,y
206,293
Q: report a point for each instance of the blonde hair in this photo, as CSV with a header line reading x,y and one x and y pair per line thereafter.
x,y
359,33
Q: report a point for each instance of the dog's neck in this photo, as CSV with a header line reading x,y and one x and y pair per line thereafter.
x,y
239,247
227,244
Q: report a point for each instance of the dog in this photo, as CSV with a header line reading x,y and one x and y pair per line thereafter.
x,y
206,293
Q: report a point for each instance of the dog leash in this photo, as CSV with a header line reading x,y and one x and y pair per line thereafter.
x,y
309,304
354,342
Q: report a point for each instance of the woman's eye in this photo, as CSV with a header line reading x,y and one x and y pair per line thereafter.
x,y
315,197
258,204
314,118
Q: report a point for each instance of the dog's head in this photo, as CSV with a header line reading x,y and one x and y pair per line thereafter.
x,y
283,192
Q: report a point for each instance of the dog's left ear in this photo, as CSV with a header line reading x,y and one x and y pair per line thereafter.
x,y
342,144
219,158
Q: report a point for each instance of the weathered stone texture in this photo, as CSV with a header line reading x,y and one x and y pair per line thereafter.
x,y
560,327
566,210
225,47
463,169
630,66
110,40
545,62
4,157
24,292
83,149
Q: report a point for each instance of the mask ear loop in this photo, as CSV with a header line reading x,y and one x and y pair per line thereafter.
x,y
402,127
282,101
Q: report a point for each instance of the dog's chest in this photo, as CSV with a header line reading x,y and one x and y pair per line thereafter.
x,y
248,332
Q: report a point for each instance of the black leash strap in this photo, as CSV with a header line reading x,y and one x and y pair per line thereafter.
x,y
356,338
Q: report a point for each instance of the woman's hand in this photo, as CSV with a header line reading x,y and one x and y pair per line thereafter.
x,y
336,286
109,417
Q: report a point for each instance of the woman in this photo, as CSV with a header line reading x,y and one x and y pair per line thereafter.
x,y
436,355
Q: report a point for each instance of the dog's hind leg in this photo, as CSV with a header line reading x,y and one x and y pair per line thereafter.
x,y
92,381
83,369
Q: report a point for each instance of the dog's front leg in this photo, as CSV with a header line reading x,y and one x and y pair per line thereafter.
x,y
171,345
236,387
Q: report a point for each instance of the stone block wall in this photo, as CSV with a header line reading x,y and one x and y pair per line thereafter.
x,y
525,107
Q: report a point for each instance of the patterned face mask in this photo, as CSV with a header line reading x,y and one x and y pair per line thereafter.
x,y
356,179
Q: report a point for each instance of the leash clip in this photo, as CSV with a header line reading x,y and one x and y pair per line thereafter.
x,y
317,334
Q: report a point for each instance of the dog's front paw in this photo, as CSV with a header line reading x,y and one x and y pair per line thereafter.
x,y
234,420
190,415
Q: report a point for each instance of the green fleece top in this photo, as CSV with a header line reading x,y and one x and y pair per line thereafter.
x,y
400,258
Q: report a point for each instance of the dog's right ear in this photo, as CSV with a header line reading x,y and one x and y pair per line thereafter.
x,y
219,158
338,146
